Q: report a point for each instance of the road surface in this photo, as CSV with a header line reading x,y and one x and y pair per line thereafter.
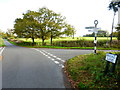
x,y
35,67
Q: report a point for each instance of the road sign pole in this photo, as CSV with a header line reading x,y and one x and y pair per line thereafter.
x,y
95,41
95,30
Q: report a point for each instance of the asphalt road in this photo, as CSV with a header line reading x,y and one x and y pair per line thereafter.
x,y
35,67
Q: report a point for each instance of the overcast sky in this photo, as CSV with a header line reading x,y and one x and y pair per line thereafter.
x,y
79,13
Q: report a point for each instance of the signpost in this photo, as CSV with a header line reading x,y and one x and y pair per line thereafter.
x,y
111,58
95,30
90,27
95,41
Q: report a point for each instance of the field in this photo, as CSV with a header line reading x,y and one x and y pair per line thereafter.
x,y
68,39
68,43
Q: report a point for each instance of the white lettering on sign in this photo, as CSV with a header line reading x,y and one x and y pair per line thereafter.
x,y
91,27
111,57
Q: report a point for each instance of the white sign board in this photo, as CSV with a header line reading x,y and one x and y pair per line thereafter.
x,y
90,27
111,57
95,31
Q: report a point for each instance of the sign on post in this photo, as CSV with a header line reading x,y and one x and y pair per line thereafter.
x,y
95,30
111,57
90,27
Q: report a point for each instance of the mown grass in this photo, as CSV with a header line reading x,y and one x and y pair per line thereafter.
x,y
1,42
87,71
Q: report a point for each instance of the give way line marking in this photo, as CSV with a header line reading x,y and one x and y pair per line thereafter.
x,y
50,56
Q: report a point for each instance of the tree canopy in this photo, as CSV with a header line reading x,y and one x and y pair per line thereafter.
x,y
100,33
43,24
118,31
114,6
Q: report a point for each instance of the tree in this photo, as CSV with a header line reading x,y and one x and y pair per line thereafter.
x,y
118,31
10,33
114,5
102,33
115,34
52,24
69,30
43,24
26,26
89,35
2,34
56,25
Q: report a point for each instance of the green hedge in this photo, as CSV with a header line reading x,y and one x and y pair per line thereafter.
x,y
85,43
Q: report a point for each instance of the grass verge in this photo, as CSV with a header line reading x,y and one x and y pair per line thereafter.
x,y
87,71
1,42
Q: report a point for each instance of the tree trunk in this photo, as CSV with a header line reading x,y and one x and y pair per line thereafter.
x,y
112,29
43,41
51,38
73,35
33,41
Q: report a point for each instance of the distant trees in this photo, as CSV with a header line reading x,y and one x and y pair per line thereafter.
x,y
10,33
101,33
2,34
69,30
118,31
43,24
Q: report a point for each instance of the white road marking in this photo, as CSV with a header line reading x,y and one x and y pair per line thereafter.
x,y
61,65
52,59
53,56
49,57
56,62
2,51
46,55
0,47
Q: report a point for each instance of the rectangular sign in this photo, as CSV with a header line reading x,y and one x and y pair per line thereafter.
x,y
93,31
111,57
91,27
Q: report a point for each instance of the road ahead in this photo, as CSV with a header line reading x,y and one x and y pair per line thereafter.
x,y
35,67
